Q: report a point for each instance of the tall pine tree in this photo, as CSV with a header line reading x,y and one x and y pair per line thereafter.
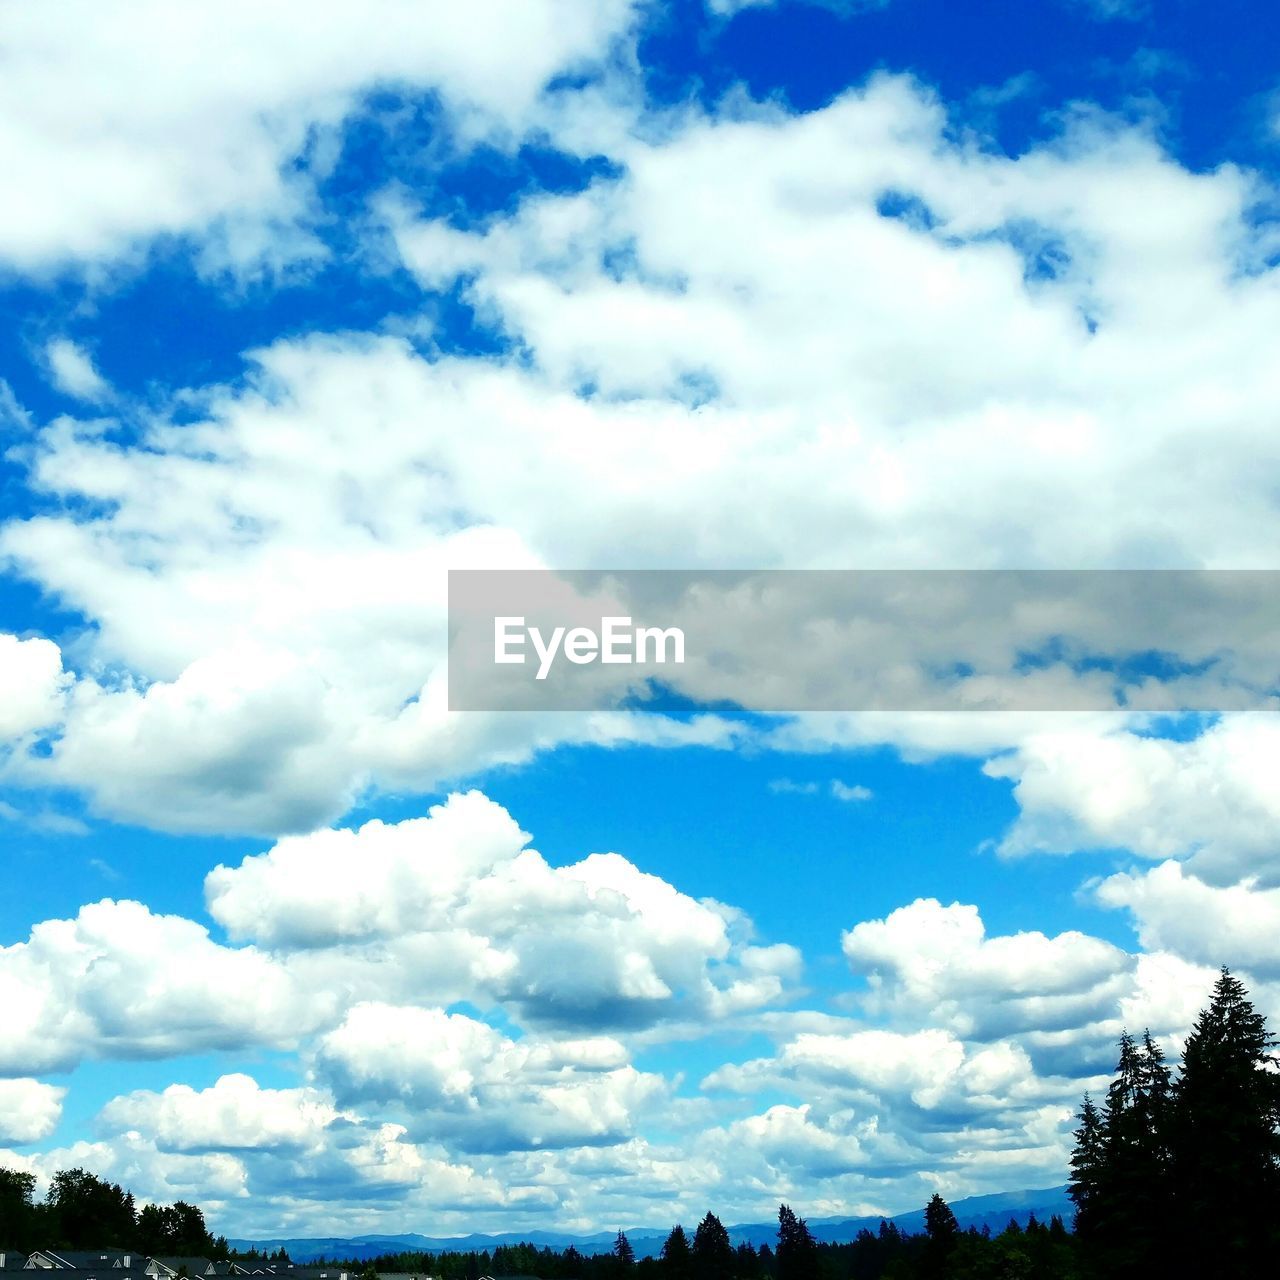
x,y
712,1253
797,1254
1226,1138
1088,1172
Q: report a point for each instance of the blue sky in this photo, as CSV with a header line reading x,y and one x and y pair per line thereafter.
x,y
300,312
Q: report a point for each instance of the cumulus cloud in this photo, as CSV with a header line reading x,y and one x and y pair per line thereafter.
x,y
118,980
935,961
29,1110
723,329
1209,799
458,894
428,912
460,1080
884,1104
234,1114
215,120
1206,924
32,685
746,283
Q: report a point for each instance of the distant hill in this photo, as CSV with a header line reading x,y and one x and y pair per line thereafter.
x,y
994,1211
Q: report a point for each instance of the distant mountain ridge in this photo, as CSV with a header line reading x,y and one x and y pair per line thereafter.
x,y
994,1211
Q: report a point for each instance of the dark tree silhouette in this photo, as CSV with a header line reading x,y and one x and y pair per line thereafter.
x,y
1088,1171
1184,1178
623,1252
676,1257
797,1254
1226,1138
18,1215
712,1253
87,1212
942,1231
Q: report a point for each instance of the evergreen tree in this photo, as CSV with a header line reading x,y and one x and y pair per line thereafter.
x,y
712,1252
746,1262
942,1231
1120,1169
675,1254
623,1252
1088,1171
797,1253
1226,1144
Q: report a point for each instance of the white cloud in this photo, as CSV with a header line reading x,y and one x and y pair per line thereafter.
x,y
32,685
469,909
119,980
234,1114
850,793
932,961
882,1104
72,371
29,1110
755,348
1209,799
381,881
459,1079
1208,925
846,793
214,120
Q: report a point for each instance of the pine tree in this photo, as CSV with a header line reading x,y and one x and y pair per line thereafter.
x,y
675,1254
797,1252
1226,1144
712,1252
942,1231
1088,1171
623,1252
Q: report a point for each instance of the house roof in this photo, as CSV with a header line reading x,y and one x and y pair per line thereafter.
x,y
194,1266
85,1259
102,1271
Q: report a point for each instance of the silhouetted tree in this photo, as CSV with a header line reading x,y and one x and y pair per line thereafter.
x,y
942,1231
1226,1138
87,1212
1088,1171
676,1258
623,1252
796,1254
712,1252
18,1213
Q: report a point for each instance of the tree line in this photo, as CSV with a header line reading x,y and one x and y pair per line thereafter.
x,y
82,1211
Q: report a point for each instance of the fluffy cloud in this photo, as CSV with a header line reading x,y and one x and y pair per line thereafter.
x,y
1210,799
72,371
29,1110
216,119
427,912
746,285
1209,925
234,1114
32,685
119,980
935,961
880,1104
472,912
459,1080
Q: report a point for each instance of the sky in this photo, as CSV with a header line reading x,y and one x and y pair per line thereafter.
x,y
301,307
